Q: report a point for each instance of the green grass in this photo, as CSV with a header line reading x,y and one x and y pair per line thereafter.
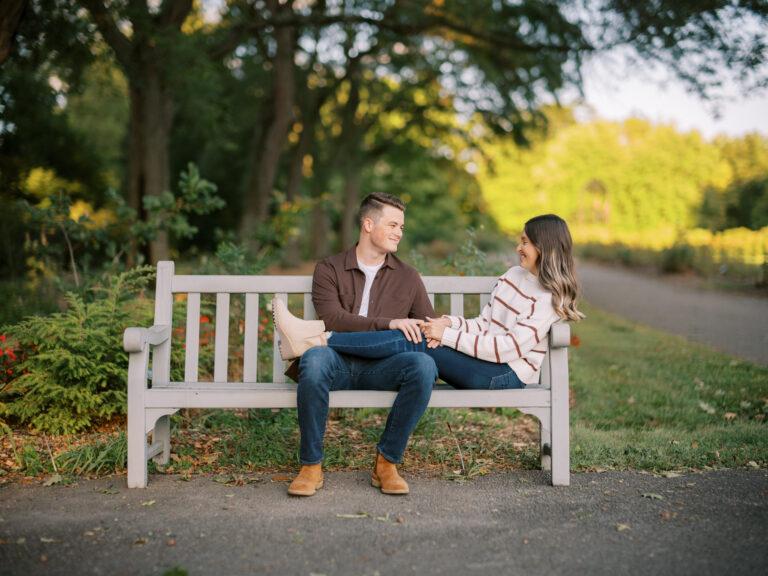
x,y
647,400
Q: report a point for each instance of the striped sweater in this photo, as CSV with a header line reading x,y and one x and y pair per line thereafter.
x,y
511,328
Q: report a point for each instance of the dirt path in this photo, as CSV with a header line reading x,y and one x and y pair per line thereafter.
x,y
733,323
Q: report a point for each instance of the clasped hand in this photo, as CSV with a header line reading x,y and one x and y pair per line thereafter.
x,y
413,328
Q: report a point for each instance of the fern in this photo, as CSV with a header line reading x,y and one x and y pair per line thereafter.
x,y
76,370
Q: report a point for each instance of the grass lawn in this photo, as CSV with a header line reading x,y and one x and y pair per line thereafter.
x,y
641,400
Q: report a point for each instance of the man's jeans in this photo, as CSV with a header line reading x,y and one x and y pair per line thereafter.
x,y
456,368
322,370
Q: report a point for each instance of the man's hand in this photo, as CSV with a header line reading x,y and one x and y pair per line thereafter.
x,y
411,327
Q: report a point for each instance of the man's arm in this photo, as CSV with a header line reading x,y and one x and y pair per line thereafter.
x,y
421,307
325,297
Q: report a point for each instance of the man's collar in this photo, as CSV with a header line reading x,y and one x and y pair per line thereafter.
x,y
350,260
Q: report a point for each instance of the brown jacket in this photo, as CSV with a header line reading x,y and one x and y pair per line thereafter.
x,y
337,292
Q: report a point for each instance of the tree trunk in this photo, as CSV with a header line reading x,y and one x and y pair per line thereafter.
x,y
271,140
151,111
11,12
352,180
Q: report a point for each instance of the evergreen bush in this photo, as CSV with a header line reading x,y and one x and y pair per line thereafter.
x,y
76,370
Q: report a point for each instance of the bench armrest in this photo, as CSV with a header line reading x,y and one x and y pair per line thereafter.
x,y
134,339
560,335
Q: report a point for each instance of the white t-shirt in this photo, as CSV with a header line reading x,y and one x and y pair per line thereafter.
x,y
370,274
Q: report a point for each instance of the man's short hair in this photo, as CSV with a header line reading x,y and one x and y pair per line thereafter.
x,y
375,203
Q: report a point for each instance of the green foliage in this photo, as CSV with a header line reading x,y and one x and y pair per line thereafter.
x,y
102,457
75,373
678,258
170,212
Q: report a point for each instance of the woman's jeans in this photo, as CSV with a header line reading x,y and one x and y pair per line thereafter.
x,y
456,368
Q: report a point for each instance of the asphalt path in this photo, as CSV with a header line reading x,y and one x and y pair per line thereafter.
x,y
614,523
733,323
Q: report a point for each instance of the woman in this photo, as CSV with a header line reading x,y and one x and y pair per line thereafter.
x,y
502,348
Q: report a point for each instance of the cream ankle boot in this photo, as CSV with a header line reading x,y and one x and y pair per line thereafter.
x,y
296,336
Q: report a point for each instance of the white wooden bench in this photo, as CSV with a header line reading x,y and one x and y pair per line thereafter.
x,y
149,406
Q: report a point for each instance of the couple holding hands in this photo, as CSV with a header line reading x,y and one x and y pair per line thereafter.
x,y
378,331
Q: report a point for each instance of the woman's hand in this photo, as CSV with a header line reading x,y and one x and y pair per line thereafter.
x,y
434,328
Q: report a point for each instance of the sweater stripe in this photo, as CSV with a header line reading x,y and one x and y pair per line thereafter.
x,y
531,365
496,350
531,298
517,346
499,324
476,340
539,351
458,338
532,328
500,301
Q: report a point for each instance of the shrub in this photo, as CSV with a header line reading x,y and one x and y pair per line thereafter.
x,y
74,373
678,258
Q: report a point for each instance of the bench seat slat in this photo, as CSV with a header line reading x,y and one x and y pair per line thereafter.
x,y
216,397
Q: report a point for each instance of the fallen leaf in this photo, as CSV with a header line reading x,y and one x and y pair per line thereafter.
x,y
729,416
753,464
652,496
139,541
708,408
699,383
667,514
47,540
281,478
622,527
353,516
671,474
52,479
170,542
149,503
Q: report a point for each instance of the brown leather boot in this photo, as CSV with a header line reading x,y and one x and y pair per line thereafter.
x,y
309,481
386,478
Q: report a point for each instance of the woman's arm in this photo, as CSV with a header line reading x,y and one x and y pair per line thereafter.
x,y
515,343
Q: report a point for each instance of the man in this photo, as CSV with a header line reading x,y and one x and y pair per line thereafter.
x,y
366,288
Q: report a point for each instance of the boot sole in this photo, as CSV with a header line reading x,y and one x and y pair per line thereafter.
x,y
377,484
297,493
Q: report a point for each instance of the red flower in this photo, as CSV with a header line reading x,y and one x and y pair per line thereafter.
x,y
9,371
10,354
204,319
2,338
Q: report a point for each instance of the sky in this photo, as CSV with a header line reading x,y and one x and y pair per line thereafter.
x,y
654,95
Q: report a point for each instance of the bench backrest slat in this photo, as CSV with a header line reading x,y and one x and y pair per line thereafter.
x,y
251,338
221,350
278,366
457,304
309,308
192,352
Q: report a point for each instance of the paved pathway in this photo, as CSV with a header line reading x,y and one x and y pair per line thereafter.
x,y
733,323
611,523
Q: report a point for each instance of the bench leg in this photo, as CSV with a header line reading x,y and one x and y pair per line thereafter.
x,y
545,443
162,433
137,450
561,457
